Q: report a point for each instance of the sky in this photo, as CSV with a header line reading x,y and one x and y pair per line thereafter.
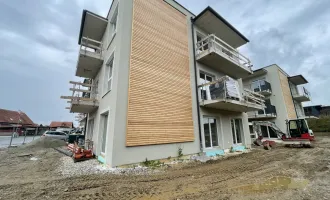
x,y
39,46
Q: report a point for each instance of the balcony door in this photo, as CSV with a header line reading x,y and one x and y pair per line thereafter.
x,y
205,90
210,132
237,130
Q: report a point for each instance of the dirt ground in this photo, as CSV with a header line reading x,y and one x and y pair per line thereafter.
x,y
282,173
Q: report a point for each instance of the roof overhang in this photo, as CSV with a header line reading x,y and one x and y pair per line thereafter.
x,y
211,22
92,26
256,73
298,79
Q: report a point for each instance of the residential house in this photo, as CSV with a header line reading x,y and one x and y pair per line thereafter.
x,y
316,111
162,79
284,95
56,124
13,121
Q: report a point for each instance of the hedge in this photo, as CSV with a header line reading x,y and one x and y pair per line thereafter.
x,y
320,125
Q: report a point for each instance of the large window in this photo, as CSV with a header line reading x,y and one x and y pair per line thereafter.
x,y
237,130
210,132
108,74
205,90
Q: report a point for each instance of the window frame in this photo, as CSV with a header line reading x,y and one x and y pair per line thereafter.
x,y
235,133
217,132
202,88
109,66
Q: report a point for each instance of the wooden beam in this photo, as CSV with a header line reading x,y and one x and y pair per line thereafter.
x,y
77,98
83,84
80,90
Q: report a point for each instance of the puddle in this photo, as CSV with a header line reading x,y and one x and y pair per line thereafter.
x,y
274,183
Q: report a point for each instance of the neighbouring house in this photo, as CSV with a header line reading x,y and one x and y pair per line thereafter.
x,y
54,125
316,111
283,95
161,79
11,121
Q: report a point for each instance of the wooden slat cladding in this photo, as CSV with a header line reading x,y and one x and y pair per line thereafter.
x,y
159,104
287,95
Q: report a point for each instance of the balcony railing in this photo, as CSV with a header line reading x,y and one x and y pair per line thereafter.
x,y
268,112
89,46
84,97
301,94
261,86
227,90
221,47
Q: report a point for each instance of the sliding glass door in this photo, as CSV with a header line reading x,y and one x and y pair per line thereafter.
x,y
237,130
210,132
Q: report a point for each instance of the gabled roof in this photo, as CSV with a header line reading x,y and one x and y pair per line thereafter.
x,y
14,117
61,124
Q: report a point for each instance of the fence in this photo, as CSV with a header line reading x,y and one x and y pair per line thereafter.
x,y
16,136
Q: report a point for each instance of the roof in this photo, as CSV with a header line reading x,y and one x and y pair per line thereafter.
x,y
61,124
298,79
14,117
221,19
83,22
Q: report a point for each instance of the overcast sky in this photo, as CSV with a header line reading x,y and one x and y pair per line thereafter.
x,y
39,49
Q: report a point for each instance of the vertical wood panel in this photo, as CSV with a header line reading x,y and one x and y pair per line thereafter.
x,y
159,104
287,95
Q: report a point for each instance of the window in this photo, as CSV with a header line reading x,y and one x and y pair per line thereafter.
x,y
90,129
205,91
104,128
210,132
204,45
108,74
113,22
236,128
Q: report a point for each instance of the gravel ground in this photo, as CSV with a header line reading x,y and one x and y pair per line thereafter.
x,y
281,173
89,167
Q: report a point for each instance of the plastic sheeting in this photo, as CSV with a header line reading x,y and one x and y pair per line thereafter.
x,y
226,88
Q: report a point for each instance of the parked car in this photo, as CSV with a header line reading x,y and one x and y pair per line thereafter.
x,y
56,135
64,130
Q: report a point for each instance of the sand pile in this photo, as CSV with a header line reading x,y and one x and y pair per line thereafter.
x,y
44,142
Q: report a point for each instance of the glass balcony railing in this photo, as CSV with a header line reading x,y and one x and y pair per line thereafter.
x,y
261,86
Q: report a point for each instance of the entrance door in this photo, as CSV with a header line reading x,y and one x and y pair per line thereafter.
x,y
237,130
210,132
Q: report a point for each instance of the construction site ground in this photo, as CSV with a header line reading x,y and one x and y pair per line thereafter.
x,y
281,173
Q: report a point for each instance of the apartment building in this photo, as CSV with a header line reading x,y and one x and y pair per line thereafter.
x,y
284,95
161,79
316,111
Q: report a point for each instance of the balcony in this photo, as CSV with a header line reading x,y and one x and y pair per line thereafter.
x,y
261,86
224,94
90,58
215,53
83,98
301,95
268,113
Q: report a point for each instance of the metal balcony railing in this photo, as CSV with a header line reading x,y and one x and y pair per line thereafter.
x,y
228,88
261,86
90,46
301,91
212,41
